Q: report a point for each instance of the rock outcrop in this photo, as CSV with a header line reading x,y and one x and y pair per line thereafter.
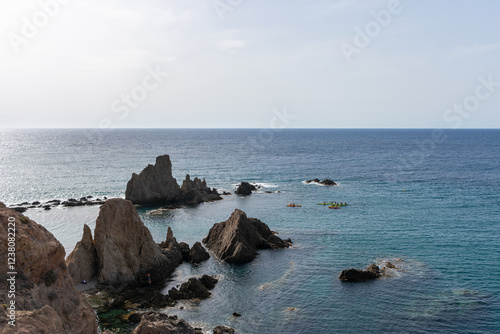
x,y
45,292
125,249
245,188
357,275
43,320
158,323
325,182
223,330
196,254
196,191
82,261
237,239
194,288
84,201
155,185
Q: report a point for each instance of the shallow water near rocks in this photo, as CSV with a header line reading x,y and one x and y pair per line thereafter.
x,y
438,214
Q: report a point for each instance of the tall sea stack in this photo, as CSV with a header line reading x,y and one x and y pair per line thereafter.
x,y
155,185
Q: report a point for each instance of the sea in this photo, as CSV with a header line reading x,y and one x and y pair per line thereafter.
x,y
426,200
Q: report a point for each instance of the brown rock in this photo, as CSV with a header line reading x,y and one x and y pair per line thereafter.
x,y
237,239
82,261
40,321
223,330
42,278
126,250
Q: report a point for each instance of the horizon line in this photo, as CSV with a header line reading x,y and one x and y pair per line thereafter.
x,y
236,128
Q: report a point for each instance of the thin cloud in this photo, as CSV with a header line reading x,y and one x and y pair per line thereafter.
x,y
230,45
474,51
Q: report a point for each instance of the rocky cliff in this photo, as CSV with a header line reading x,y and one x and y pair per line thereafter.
x,y
155,185
237,239
46,297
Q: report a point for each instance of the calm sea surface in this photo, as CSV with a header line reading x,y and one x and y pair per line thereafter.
x,y
426,200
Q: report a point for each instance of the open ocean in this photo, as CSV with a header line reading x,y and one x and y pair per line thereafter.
x,y
430,199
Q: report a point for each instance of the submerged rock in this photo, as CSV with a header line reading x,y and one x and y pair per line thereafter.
x,y
45,296
325,182
155,185
357,275
237,239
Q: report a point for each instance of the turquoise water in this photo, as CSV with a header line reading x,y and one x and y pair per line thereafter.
x,y
433,204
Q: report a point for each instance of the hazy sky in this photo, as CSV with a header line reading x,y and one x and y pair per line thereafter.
x,y
246,63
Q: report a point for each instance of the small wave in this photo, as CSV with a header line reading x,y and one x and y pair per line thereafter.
x,y
318,184
399,267
259,185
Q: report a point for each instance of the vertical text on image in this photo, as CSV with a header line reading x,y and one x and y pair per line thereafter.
x,y
11,273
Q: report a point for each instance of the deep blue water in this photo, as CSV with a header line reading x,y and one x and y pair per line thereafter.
x,y
426,200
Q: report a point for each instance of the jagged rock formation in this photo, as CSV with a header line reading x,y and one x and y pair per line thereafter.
x,y
237,239
196,254
155,185
357,275
82,261
125,249
158,323
45,293
194,288
196,192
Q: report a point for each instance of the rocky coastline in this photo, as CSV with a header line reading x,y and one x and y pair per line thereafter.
x,y
71,202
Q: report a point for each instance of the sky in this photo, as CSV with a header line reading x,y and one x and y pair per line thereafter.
x,y
249,64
